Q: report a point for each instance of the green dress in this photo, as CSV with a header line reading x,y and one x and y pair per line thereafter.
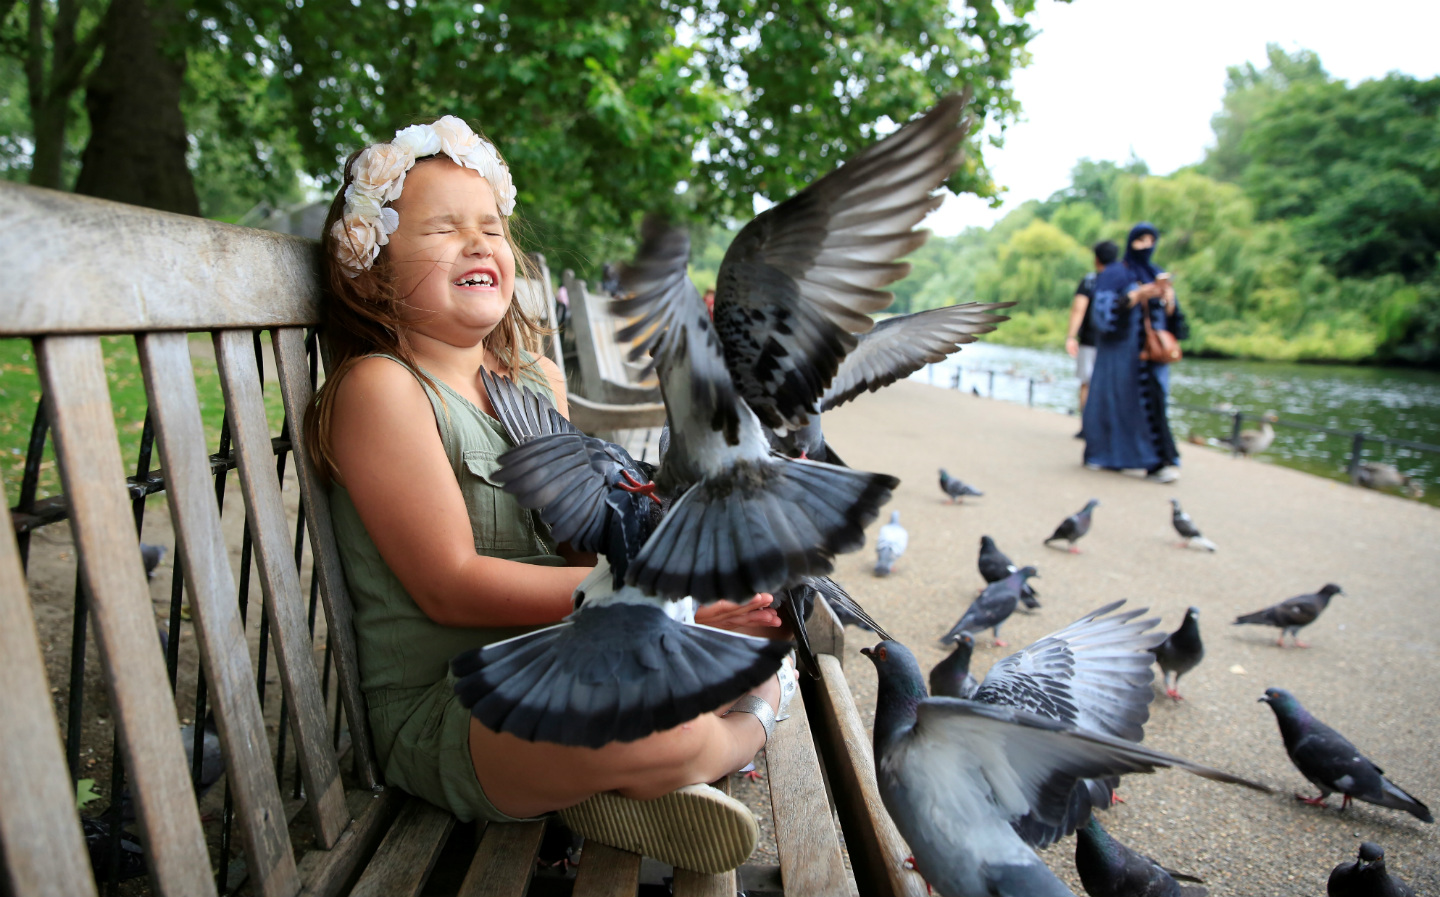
x,y
421,732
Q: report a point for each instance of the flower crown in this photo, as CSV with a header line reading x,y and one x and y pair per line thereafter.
x,y
378,174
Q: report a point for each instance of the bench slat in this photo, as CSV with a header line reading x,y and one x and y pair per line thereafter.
x,y
606,871
810,858
699,884
280,582
505,861
175,272
877,852
72,370
329,873
45,853
406,857
294,373
224,652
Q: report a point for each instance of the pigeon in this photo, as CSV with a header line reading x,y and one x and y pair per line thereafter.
x,y
795,603
151,555
207,768
951,678
1332,763
1181,652
1366,877
1074,527
100,835
1293,613
846,609
955,488
993,606
995,566
1110,869
1185,526
890,545
953,774
1253,442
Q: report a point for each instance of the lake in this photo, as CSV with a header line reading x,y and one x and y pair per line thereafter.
x,y
1401,403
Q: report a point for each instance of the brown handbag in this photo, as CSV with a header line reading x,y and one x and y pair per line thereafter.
x,y
1161,346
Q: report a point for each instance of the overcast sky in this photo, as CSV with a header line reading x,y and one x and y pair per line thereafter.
x,y
1154,72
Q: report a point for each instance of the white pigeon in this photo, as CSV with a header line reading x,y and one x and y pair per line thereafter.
x,y
890,545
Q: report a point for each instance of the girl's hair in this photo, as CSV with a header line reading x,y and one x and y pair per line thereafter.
x,y
363,316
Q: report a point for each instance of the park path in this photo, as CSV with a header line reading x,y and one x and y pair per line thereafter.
x,y
1373,673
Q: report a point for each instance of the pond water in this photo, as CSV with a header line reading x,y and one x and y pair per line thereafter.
x,y
1400,403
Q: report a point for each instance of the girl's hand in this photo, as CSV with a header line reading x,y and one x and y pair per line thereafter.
x,y
751,618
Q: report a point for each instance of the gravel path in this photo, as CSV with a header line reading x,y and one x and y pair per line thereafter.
x,y
1372,673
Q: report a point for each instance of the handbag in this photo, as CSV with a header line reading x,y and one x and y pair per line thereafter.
x,y
1161,346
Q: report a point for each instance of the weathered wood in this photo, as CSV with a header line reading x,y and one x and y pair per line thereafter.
x,y
290,361
44,851
72,371
330,873
596,417
809,847
74,264
877,852
224,652
603,370
826,632
505,862
606,871
547,300
699,884
280,583
406,857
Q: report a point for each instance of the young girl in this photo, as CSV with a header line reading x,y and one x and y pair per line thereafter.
x,y
420,269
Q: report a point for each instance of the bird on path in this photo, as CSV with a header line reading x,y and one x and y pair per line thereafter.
x,y
1292,614
954,774
1110,869
995,566
1366,876
1074,527
210,765
1332,763
1181,652
890,545
992,607
956,489
1253,442
951,677
1185,526
151,555
1375,475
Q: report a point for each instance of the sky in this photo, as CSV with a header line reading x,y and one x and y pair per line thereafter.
x,y
1159,68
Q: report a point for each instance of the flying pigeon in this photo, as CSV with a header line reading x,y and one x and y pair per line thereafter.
x,y
890,545
956,489
951,678
1110,869
1185,526
846,608
1293,613
1181,652
995,566
795,603
993,606
1332,763
1074,527
954,774
1366,877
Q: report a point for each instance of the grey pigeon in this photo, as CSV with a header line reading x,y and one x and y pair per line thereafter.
x,y
795,604
995,566
1181,652
956,489
1185,526
890,545
1332,763
1074,527
846,608
1110,869
1366,876
206,767
151,555
951,677
992,607
1292,614
954,774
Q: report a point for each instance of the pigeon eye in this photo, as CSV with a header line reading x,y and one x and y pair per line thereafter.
x,y
881,652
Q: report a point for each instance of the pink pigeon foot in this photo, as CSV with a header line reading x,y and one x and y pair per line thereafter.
x,y
1312,801
754,775
1074,550
1173,694
1000,644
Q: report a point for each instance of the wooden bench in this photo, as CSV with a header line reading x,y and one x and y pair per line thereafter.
x,y
78,269
606,376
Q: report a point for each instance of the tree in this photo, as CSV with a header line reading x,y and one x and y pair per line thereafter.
x,y
1094,183
1247,91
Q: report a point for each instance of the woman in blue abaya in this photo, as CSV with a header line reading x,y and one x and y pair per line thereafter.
x,y
1125,422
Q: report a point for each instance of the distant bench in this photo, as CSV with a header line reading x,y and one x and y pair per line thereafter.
x,y
76,269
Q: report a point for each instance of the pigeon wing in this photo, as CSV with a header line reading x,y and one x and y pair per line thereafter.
x,y
524,413
1301,610
902,345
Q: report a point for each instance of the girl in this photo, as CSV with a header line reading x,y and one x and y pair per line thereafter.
x,y
420,272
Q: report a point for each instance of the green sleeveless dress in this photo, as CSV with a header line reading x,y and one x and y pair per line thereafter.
x,y
421,732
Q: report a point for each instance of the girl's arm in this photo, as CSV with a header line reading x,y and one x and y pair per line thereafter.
x,y
389,456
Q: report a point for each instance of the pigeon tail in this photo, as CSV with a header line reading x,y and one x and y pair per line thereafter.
x,y
616,672
1028,880
1396,798
1202,542
757,528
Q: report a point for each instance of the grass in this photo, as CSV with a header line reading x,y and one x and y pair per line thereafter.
x,y
20,393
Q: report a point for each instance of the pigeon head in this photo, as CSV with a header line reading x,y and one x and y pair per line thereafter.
x,y
1193,613
1027,572
943,474
902,688
1331,589
964,647
987,543
894,516
1371,853
1280,700
1175,503
1092,503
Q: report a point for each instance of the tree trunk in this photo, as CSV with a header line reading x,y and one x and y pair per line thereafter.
x,y
136,152
49,120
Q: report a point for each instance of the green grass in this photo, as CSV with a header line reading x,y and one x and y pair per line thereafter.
x,y
20,392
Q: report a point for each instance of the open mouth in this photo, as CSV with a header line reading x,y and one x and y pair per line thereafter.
x,y
475,279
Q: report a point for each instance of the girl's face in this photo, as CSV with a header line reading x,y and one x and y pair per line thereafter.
x,y
452,263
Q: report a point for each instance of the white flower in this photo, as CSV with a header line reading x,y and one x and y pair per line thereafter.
x,y
362,203
380,169
421,140
356,244
456,138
